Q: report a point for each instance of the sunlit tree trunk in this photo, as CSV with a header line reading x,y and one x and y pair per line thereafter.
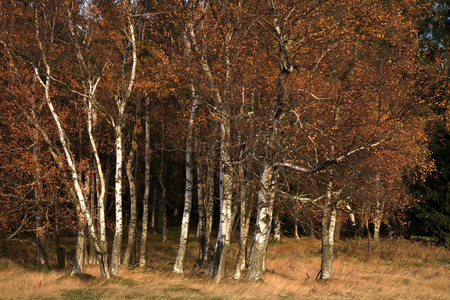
x,y
263,223
378,213
226,194
117,242
328,227
119,126
92,259
296,229
190,143
243,229
78,260
68,153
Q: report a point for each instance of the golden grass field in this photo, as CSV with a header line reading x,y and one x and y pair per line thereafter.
x,y
395,269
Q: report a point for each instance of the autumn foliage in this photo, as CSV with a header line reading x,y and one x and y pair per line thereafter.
x,y
311,110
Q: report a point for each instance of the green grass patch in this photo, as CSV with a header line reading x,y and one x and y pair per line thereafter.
x,y
81,294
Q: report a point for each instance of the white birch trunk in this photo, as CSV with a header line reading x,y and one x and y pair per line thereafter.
x,y
243,235
262,225
118,131
73,169
100,176
78,260
179,262
328,227
378,213
226,194
117,242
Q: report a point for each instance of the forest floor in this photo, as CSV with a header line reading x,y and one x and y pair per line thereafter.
x,y
393,269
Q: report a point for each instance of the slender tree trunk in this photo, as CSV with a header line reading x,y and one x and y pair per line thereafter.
x,y
201,212
311,228
71,163
163,213
263,222
243,236
366,223
209,207
142,252
100,180
377,221
243,231
378,213
328,227
41,253
296,229
153,207
133,201
78,260
226,180
337,231
60,251
276,227
92,259
190,143
117,242
162,200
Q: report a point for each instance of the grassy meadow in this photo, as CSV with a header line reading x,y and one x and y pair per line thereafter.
x,y
394,269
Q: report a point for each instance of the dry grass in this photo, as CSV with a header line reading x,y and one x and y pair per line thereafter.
x,y
395,270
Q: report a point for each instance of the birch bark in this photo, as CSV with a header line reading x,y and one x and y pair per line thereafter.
x,y
66,147
328,227
190,143
119,126
263,221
